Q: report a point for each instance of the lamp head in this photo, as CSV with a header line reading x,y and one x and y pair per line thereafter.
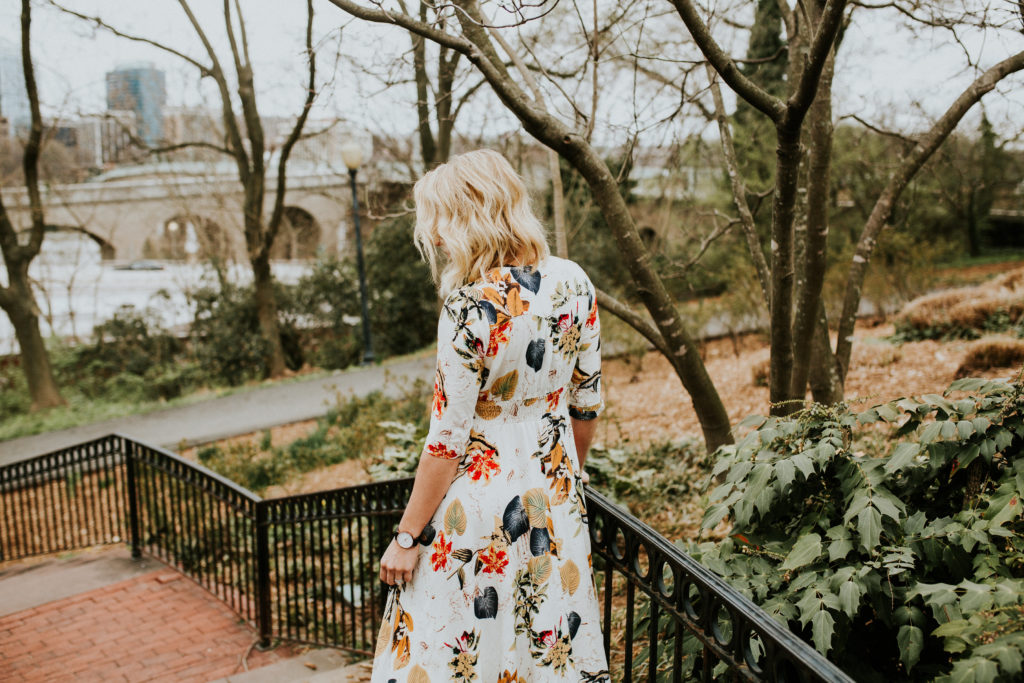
x,y
352,154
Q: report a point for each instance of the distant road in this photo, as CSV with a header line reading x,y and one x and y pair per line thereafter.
x,y
241,413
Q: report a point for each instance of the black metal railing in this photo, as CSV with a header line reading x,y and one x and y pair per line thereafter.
x,y
304,568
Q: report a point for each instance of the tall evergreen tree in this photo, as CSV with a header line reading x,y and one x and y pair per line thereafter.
x,y
767,62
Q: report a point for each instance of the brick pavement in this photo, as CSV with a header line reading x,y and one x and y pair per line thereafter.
x,y
156,627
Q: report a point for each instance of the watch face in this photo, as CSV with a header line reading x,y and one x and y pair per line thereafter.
x,y
404,539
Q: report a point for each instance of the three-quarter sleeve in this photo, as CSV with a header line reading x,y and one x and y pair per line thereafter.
x,y
462,337
585,399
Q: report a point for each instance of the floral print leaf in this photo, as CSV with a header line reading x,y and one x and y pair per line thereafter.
x,y
514,521
536,503
489,311
540,542
486,408
535,354
462,554
462,578
485,605
574,624
418,675
528,278
505,386
455,518
426,536
570,574
540,569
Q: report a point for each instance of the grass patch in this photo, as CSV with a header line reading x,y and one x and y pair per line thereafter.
x,y
357,427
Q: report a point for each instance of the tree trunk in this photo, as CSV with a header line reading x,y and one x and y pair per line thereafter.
x,y
808,313
266,311
786,182
825,375
35,362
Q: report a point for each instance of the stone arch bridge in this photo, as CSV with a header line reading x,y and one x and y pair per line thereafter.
x,y
193,216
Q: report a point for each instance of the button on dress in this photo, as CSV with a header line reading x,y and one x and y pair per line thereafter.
x,y
505,591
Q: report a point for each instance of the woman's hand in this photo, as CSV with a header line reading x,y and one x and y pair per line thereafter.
x,y
398,563
585,478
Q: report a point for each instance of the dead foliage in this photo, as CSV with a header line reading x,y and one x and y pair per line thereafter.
x,y
991,354
967,308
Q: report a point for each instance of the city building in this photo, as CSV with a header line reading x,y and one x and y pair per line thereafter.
x,y
140,88
14,106
99,142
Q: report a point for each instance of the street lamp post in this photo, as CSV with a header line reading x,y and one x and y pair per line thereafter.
x,y
352,155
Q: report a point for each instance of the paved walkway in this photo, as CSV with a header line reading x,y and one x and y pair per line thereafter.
x,y
157,626
241,413
101,616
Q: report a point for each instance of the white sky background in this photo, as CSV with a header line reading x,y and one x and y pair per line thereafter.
x,y
885,73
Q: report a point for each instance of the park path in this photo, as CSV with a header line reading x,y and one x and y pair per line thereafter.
x,y
240,413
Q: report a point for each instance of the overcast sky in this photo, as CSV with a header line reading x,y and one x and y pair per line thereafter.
x,y
884,72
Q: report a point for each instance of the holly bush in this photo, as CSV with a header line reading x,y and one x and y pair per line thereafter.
x,y
890,538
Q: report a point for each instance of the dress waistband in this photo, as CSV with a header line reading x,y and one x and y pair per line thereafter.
x,y
497,412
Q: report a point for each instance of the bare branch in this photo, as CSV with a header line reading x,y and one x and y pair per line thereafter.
x,y
739,190
758,97
820,49
293,137
632,318
876,129
99,23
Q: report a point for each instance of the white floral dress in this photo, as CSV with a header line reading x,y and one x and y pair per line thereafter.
x,y
504,589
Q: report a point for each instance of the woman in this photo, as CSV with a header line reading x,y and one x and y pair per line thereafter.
x,y
490,565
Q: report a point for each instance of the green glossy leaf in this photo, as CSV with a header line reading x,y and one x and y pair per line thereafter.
x,y
849,597
806,549
888,412
964,429
822,629
911,641
785,471
869,526
931,432
974,670
902,456
714,514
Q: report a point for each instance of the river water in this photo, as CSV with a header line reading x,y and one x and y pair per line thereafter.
x,y
76,290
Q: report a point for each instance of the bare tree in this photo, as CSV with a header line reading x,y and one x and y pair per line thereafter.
x,y
245,143
667,326
792,275
17,298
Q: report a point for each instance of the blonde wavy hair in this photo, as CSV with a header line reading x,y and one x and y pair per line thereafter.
x,y
477,207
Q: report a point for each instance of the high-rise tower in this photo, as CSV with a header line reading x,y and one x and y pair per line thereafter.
x,y
140,88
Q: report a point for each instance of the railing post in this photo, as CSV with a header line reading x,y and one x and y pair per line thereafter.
x,y
128,450
262,575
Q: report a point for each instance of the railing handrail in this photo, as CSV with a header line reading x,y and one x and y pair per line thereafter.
x,y
119,448
199,467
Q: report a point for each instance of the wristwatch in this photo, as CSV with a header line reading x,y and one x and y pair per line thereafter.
x,y
404,539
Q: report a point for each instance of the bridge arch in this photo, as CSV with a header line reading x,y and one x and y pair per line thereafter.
x,y
298,237
189,236
107,250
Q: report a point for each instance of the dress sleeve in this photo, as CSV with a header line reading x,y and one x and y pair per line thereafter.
x,y
462,336
585,399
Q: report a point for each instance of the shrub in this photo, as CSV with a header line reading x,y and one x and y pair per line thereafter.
x,y
225,334
894,531
994,306
989,354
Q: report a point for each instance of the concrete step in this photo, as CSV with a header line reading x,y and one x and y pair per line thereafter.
x,y
316,666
